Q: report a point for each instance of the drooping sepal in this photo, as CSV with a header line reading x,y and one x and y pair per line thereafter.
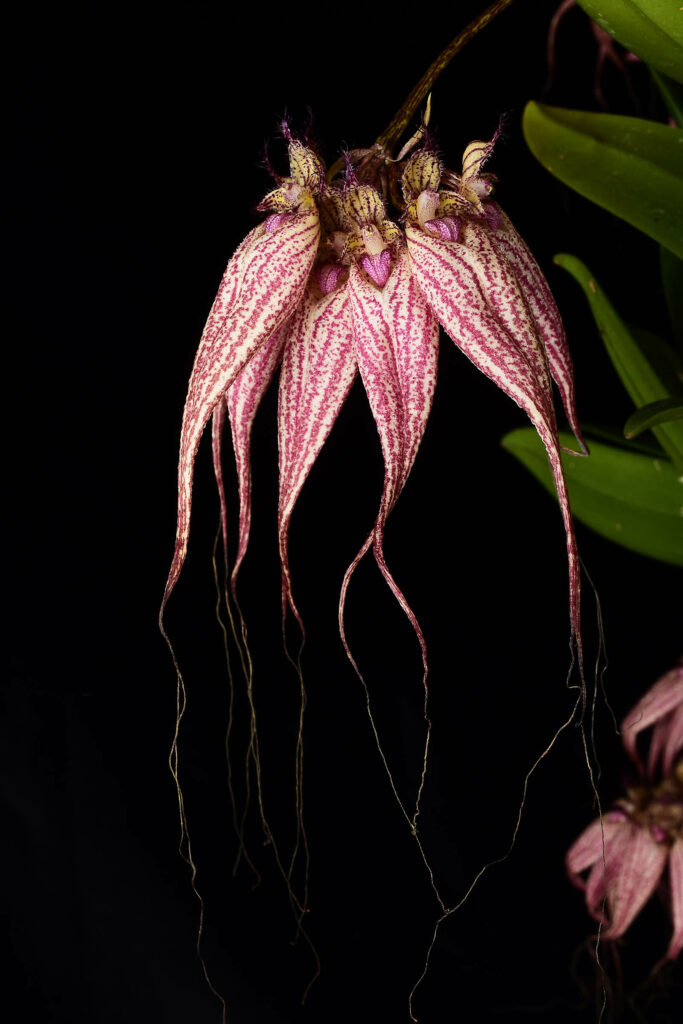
x,y
318,369
512,246
453,283
396,339
243,400
260,289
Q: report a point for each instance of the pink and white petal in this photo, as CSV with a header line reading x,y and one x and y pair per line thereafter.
x,y
274,269
605,869
544,309
658,740
295,361
342,601
318,370
243,400
449,280
377,366
676,885
674,741
506,298
588,848
415,334
629,888
455,293
217,429
222,305
397,339
660,700
228,291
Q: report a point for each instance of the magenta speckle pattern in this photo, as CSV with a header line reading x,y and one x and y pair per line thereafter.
x,y
397,340
262,285
474,294
512,247
243,400
318,369
367,295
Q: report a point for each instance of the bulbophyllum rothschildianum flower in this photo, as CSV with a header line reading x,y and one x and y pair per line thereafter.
x,y
262,286
626,854
331,285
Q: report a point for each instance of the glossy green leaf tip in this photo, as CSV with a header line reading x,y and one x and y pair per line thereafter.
x,y
631,167
637,372
632,499
652,29
649,416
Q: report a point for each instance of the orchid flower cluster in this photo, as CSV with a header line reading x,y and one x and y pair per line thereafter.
x,y
625,853
330,285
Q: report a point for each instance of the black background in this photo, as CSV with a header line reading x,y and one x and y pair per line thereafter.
x,y
136,161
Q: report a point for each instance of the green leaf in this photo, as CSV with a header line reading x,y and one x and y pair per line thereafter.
x,y
672,279
672,94
631,167
652,29
616,439
631,499
650,415
636,371
662,357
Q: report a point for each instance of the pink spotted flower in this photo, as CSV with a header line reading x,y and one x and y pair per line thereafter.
x,y
484,287
620,861
353,276
263,284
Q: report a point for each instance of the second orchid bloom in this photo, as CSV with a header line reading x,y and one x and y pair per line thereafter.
x,y
330,285
623,857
